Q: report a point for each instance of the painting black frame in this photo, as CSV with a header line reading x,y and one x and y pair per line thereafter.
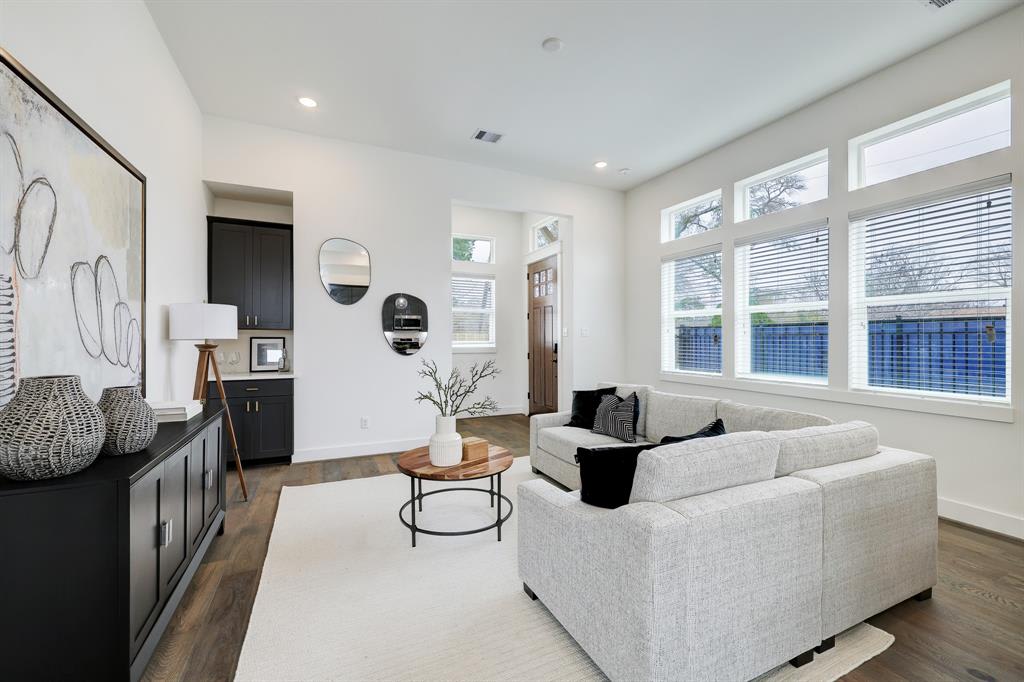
x,y
252,342
25,75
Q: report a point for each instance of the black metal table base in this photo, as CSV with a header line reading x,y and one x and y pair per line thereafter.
x,y
416,496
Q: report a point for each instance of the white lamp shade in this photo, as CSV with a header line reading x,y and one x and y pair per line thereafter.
x,y
203,321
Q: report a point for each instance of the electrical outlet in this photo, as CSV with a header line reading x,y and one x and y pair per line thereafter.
x,y
364,422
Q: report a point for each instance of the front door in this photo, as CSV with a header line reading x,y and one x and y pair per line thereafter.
x,y
542,293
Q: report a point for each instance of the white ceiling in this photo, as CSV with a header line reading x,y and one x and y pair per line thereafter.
x,y
644,85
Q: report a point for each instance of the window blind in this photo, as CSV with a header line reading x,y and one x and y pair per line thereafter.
x,y
691,318
782,307
930,297
473,311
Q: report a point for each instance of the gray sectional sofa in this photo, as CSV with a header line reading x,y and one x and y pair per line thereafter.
x,y
735,554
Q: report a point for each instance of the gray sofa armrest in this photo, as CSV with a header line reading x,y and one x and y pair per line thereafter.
x,y
543,421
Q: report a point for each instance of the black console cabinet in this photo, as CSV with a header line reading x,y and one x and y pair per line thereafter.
x,y
92,566
250,266
262,411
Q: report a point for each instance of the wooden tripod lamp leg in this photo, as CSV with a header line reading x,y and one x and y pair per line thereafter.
x,y
212,360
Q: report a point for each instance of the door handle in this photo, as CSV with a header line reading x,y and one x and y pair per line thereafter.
x,y
208,479
247,407
166,532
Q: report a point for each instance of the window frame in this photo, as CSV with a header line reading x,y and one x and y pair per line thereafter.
x,y
741,196
535,231
923,119
857,336
669,315
474,237
743,309
492,344
667,213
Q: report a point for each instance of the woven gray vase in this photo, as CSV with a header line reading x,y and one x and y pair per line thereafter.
x,y
49,429
131,424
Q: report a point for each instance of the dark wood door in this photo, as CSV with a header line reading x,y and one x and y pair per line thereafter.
x,y
213,467
542,292
144,553
196,491
174,544
272,278
230,265
272,428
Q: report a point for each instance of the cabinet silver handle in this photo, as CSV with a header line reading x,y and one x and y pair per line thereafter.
x,y
256,320
208,479
253,388
257,405
246,320
247,406
166,532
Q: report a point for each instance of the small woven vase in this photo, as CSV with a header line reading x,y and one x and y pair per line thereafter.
x,y
131,423
49,429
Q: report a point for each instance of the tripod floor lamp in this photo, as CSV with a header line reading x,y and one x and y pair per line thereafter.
x,y
208,322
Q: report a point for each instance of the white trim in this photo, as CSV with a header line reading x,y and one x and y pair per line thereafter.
x,y
942,112
358,449
953,408
666,215
990,519
552,249
947,194
475,350
740,194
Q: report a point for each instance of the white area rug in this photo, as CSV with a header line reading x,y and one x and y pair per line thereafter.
x,y
343,596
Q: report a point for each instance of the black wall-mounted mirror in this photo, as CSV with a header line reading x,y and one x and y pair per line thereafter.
x,y
404,320
344,270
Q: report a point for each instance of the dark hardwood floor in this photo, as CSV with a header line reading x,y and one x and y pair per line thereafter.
x,y
972,629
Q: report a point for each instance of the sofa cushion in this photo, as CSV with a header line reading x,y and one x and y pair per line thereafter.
x,y
669,414
694,467
562,441
740,417
642,391
820,446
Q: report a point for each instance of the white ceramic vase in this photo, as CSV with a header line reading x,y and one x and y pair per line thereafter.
x,y
445,444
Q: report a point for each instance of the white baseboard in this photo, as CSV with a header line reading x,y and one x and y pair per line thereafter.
x,y
358,449
988,519
507,409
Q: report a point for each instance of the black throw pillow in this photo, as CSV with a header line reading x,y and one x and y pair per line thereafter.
x,y
584,407
715,428
606,473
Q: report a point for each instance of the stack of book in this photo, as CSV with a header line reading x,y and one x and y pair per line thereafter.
x,y
176,410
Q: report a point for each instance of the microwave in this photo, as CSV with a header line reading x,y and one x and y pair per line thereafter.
x,y
408,323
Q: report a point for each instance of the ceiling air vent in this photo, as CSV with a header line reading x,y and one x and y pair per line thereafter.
x,y
487,136
938,3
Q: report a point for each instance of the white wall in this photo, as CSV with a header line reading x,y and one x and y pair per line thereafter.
x,y
107,61
251,210
980,462
399,206
506,228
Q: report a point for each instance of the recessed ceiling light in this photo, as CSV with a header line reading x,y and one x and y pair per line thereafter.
x,y
625,171
307,102
552,44
600,164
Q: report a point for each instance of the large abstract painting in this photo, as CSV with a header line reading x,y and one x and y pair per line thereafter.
x,y
72,245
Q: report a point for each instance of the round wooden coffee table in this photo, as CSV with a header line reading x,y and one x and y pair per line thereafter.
x,y
416,465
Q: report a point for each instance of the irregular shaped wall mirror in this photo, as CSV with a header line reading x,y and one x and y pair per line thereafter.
x,y
404,319
344,270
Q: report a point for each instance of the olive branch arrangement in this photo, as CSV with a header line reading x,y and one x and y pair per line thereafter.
x,y
452,393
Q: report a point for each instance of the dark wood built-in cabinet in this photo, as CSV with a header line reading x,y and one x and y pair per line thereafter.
x,y
250,266
93,565
262,412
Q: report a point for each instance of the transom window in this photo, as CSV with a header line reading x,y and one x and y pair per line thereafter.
x,y
966,127
472,249
691,318
692,217
930,296
782,307
545,233
473,311
793,184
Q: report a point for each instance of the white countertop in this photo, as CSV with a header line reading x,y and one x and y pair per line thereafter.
x,y
250,376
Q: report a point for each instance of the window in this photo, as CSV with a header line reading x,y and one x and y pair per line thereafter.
x,y
691,317
782,307
472,249
473,311
692,217
545,233
930,296
793,184
969,126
